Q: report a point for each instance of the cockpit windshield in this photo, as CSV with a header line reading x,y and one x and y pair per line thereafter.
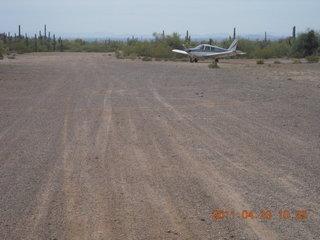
x,y
200,47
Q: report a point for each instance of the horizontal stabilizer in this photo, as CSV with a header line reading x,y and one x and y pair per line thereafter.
x,y
240,52
180,51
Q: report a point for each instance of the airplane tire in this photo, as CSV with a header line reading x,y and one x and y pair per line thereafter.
x,y
196,60
217,60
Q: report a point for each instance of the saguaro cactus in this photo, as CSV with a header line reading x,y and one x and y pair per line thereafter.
x,y
265,36
35,43
4,38
61,44
54,42
27,40
188,37
234,33
294,33
19,31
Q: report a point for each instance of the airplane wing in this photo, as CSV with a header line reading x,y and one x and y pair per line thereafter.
x,y
225,54
180,51
240,52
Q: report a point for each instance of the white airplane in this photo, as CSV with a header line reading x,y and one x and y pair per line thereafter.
x,y
206,50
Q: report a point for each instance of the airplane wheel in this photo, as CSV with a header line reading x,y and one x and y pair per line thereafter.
x,y
195,60
217,60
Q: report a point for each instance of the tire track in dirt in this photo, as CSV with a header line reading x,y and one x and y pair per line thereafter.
x,y
288,189
148,158
234,199
85,193
247,129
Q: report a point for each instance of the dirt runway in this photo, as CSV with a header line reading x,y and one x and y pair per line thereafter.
x,y
97,148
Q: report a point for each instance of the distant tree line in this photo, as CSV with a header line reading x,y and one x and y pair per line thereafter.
x,y
47,42
298,46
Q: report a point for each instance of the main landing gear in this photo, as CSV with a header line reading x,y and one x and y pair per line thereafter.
x,y
193,59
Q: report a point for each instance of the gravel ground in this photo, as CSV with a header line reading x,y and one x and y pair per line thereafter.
x,y
92,147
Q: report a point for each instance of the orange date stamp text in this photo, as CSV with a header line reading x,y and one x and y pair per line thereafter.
x,y
261,214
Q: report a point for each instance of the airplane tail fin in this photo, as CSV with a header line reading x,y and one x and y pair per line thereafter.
x,y
233,46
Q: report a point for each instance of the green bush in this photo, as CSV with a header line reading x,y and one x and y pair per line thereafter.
x,y
260,61
19,47
157,48
11,56
272,50
133,56
119,54
214,64
296,61
312,59
1,50
264,49
306,44
146,59
297,55
138,48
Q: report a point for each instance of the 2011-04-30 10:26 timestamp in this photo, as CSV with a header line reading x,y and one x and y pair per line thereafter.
x,y
263,214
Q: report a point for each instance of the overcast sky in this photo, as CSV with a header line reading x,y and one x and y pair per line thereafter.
x,y
99,18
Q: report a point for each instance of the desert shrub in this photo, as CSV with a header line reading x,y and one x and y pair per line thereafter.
x,y
277,62
138,48
306,44
272,50
312,59
1,50
73,45
146,59
119,54
260,61
133,56
19,47
94,47
161,51
173,41
264,49
159,47
214,64
297,55
296,61
248,47
11,56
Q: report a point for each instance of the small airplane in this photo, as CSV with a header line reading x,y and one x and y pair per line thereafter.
x,y
206,50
